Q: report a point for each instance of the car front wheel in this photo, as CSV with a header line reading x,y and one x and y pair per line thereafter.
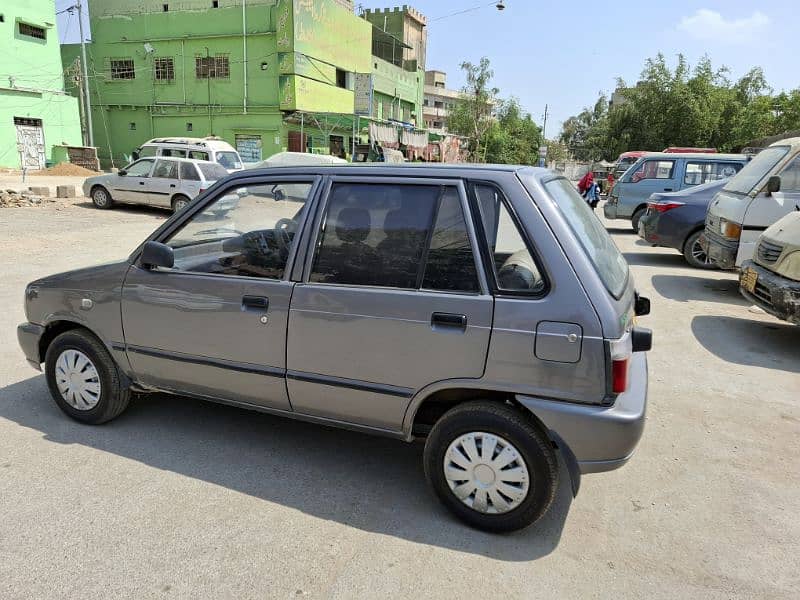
x,y
83,378
101,198
491,466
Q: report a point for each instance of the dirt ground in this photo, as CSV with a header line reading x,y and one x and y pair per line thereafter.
x,y
183,499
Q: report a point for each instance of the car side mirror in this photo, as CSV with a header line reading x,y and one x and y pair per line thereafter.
x,y
122,172
156,254
774,184
641,305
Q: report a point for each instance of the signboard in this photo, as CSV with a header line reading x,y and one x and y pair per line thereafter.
x,y
543,151
249,147
362,90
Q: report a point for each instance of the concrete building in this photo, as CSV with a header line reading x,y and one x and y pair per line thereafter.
x,y
437,101
265,75
35,113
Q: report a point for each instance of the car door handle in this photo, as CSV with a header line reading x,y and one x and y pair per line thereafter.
x,y
667,189
141,183
441,320
255,302
171,185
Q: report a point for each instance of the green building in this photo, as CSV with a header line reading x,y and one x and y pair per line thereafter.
x,y
35,112
265,75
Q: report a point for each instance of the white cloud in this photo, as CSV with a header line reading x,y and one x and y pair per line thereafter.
x,y
709,25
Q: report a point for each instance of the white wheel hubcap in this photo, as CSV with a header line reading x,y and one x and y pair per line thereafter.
x,y
486,472
100,198
77,380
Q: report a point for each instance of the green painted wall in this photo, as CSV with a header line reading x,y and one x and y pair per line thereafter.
x,y
37,91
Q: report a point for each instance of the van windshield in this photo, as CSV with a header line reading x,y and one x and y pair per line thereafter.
x,y
608,261
754,171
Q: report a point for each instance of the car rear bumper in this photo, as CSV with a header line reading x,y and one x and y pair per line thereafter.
x,y
602,438
777,295
720,251
29,335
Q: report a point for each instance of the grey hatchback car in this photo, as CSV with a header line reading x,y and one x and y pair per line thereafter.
x,y
163,182
483,309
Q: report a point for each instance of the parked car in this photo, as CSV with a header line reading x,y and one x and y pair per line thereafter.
x,y
687,149
212,149
291,159
677,219
163,182
485,309
665,172
772,279
759,195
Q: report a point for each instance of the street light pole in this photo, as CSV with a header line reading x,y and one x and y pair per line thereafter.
x,y
84,64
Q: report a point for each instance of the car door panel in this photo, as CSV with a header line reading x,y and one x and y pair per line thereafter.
x,y
132,188
164,183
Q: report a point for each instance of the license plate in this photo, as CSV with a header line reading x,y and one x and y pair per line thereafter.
x,y
748,279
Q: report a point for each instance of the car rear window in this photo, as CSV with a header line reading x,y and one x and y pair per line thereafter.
x,y
754,171
212,171
609,263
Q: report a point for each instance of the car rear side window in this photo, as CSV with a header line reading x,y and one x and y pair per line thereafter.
x,y
593,237
514,267
212,171
189,172
382,234
166,169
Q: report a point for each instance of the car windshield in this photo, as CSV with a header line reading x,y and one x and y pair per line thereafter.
x,y
212,171
608,261
754,171
229,160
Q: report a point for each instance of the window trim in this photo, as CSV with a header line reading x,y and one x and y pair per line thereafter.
x,y
214,193
488,260
458,183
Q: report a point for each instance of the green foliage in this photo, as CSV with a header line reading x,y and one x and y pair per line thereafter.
x,y
509,136
698,107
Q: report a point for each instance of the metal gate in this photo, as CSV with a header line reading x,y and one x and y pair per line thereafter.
x,y
30,143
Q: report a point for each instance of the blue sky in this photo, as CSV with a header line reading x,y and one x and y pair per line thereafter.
x,y
565,53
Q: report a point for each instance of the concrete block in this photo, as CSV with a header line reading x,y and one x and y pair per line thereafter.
x,y
39,190
65,191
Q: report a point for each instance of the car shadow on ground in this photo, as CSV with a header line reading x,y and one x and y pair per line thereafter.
x,y
706,289
140,209
749,342
620,230
655,259
371,483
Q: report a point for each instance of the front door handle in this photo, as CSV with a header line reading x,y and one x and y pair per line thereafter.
x,y
141,183
441,320
667,189
172,185
260,303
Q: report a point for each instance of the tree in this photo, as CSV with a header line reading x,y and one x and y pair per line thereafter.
x,y
514,138
472,114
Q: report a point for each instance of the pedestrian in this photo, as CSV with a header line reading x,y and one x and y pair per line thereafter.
x,y
592,195
585,183
610,179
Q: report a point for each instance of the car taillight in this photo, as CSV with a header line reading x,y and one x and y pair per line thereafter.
x,y
620,351
661,207
203,189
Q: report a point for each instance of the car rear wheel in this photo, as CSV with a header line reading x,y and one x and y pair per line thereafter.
x,y
83,378
637,216
101,198
491,466
694,254
179,203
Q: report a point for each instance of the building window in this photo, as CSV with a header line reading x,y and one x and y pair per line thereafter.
x,y
166,7
189,127
27,121
2,19
164,69
341,78
132,126
215,4
122,68
212,67
32,31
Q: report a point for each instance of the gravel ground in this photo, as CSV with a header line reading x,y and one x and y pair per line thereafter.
x,y
182,499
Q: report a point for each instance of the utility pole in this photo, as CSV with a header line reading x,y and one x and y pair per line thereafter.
x,y
544,124
543,146
84,65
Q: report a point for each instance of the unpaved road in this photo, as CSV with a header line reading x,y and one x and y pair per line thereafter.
x,y
181,499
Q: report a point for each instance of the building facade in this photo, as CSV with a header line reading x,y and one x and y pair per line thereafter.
x,y
438,101
35,113
264,75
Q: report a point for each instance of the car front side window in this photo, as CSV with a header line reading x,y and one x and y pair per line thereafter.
x,y
140,168
246,231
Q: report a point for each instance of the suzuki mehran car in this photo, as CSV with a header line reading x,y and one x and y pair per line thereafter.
x,y
772,279
483,309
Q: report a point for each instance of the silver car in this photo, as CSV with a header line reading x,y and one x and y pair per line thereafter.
x,y
485,310
163,182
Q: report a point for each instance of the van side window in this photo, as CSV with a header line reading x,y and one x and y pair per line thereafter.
x,y
189,172
790,176
198,155
654,169
148,151
451,263
703,172
173,152
514,268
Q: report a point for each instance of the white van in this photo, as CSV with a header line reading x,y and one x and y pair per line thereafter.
x,y
766,189
208,148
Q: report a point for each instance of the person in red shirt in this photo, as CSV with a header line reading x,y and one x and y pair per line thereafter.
x,y
610,179
586,182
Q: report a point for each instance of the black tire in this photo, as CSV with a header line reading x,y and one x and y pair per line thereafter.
x,y
114,394
101,198
637,215
180,202
509,424
694,255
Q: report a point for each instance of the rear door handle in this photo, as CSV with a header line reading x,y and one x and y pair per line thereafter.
x,y
171,185
667,189
441,320
141,183
255,302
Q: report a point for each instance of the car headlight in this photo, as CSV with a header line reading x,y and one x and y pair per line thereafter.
x,y
729,229
790,266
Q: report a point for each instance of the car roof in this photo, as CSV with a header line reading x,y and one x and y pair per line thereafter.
x,y
181,159
443,170
698,155
795,141
189,141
